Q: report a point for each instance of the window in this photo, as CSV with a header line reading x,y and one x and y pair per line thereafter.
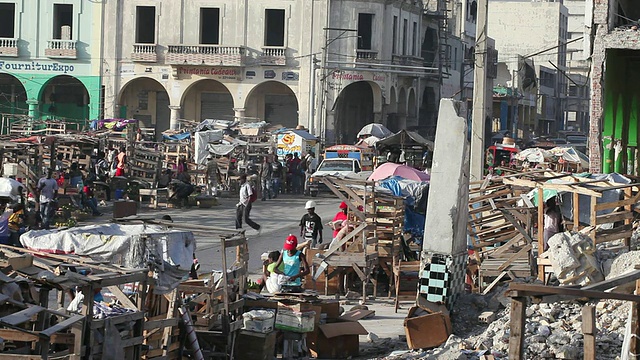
x,y
365,30
473,12
7,20
573,90
274,27
62,21
395,36
145,24
414,40
404,36
210,26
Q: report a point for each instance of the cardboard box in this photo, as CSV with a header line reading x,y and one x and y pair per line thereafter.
x,y
295,321
255,346
331,308
426,331
338,340
124,208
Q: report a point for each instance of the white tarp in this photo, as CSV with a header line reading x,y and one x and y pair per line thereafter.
x,y
10,188
571,155
535,155
170,253
203,138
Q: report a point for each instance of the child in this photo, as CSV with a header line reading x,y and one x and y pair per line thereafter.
x,y
269,276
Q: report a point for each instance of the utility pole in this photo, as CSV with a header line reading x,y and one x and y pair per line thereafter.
x,y
479,113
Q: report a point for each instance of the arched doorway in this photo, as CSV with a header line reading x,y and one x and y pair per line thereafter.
x,y
147,101
273,102
354,109
400,120
412,118
64,97
207,99
14,99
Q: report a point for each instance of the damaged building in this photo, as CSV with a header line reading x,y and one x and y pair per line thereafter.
x,y
613,134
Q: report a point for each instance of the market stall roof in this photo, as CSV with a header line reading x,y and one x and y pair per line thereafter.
x,y
389,169
302,133
404,138
373,129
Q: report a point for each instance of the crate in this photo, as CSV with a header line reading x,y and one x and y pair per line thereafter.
x,y
295,321
261,321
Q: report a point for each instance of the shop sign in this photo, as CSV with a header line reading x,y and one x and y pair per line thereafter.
x,y
354,76
288,144
42,67
217,73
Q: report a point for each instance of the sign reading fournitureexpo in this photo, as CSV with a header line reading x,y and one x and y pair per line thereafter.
x,y
45,67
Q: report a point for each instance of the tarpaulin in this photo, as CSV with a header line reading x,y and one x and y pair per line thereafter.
x,y
415,194
169,253
221,149
181,136
203,138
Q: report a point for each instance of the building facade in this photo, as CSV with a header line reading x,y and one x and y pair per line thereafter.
x,y
50,53
332,66
578,68
511,24
615,87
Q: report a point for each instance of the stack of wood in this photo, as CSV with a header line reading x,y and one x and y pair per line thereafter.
x,y
144,166
389,222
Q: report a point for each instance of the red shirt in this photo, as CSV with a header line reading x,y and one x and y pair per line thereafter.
x,y
339,216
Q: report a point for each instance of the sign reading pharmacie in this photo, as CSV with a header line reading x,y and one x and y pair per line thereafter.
x,y
217,73
45,67
346,77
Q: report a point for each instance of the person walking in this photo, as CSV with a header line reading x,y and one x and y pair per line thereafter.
x,y
311,225
48,191
276,177
309,165
266,173
243,208
213,174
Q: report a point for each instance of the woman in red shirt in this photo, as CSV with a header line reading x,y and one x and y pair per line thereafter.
x,y
338,220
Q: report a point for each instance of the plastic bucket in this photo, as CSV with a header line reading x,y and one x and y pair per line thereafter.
x,y
119,194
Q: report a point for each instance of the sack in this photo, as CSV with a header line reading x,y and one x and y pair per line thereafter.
x,y
254,195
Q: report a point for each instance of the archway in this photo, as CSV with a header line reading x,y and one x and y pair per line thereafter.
x,y
64,97
207,99
412,118
14,99
273,102
355,108
400,119
147,101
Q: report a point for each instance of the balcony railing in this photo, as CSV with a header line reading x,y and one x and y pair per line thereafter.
x,y
144,53
9,47
366,55
62,49
210,55
273,55
409,60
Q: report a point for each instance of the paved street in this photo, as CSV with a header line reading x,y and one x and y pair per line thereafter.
x,y
278,217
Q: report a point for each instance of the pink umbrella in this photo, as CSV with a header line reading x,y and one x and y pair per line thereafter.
x,y
391,169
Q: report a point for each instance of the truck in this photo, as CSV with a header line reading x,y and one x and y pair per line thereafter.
x,y
342,161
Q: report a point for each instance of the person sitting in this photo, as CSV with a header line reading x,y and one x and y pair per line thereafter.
x,y
89,199
75,175
179,191
269,276
295,264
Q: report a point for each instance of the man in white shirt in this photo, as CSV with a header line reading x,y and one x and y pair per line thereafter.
x,y
247,197
48,190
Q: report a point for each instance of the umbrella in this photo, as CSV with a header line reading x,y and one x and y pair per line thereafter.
x,y
370,141
377,130
391,169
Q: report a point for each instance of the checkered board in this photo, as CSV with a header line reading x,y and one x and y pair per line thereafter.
x,y
442,278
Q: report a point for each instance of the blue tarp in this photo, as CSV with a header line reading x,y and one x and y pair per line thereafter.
x,y
181,136
413,220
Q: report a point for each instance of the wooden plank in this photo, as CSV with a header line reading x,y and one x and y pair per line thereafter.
x,y
620,203
614,217
576,211
361,275
159,324
61,325
493,283
518,289
516,328
620,232
124,300
589,331
515,240
515,256
21,316
617,281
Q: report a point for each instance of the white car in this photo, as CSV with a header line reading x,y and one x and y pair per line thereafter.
x,y
340,167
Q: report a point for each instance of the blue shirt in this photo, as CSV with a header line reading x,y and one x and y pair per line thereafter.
x,y
291,266
4,228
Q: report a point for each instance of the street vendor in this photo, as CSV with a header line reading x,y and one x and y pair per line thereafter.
x,y
295,263
339,220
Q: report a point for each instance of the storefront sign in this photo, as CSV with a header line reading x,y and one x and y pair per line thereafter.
x,y
211,72
43,67
288,144
354,76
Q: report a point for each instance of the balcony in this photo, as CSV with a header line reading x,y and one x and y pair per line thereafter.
x,y
144,53
407,60
61,49
366,56
273,55
8,47
211,55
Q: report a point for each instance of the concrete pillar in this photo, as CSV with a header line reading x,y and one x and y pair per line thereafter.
x,y
239,113
33,108
377,117
175,115
444,255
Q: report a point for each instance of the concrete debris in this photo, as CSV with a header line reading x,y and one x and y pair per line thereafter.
x,y
574,259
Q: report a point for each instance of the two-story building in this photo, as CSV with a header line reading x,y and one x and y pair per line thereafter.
x,y
50,58
332,66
